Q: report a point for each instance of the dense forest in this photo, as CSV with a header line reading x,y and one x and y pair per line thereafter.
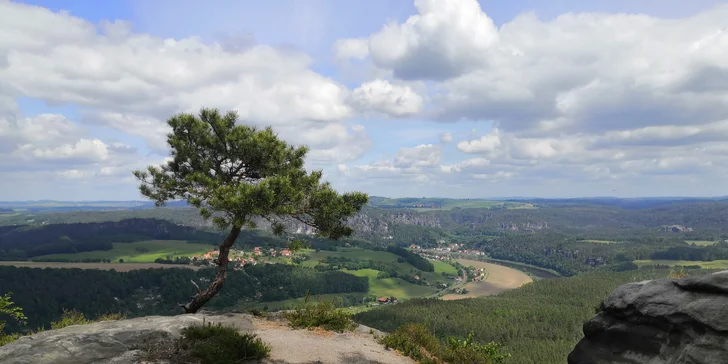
x,y
556,235
569,255
23,242
44,293
538,323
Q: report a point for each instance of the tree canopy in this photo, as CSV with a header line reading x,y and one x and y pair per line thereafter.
x,y
234,173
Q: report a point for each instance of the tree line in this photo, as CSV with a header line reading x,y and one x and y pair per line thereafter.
x,y
411,258
44,293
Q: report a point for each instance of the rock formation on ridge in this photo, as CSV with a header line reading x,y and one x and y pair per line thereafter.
x,y
664,321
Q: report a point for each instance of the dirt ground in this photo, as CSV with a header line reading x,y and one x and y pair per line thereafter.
x,y
324,347
500,279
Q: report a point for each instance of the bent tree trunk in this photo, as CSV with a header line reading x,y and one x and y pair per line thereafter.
x,y
203,296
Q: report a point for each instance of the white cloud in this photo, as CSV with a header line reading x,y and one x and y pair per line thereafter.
x,y
485,144
583,95
351,49
132,82
382,96
424,155
578,100
84,149
446,138
445,39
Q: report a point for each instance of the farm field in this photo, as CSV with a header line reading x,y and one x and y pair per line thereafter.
x,y
701,242
441,267
396,287
500,279
137,252
119,267
362,254
389,287
713,264
351,253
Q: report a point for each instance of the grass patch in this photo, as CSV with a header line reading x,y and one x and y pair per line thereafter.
x,y
600,241
416,342
320,313
217,344
392,287
442,267
137,252
701,242
207,344
397,287
713,264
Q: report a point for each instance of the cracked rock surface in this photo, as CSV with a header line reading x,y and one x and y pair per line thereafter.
x,y
122,342
664,321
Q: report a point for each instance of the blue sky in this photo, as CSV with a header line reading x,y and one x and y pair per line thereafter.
x,y
519,113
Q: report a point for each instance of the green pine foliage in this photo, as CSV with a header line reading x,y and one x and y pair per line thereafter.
x,y
416,342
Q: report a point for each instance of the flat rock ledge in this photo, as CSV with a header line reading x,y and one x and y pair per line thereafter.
x,y
123,342
664,321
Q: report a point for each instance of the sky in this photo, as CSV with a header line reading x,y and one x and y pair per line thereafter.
x,y
396,98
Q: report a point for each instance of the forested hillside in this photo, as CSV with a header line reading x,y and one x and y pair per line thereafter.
x,y
538,323
44,293
563,235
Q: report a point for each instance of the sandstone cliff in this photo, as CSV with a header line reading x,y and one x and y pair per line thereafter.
x,y
665,321
125,342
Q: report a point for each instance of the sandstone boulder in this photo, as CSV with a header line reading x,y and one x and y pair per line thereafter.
x,y
124,342
664,321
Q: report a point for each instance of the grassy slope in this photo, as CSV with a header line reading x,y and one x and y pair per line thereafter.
x,y
441,267
382,287
392,286
128,252
701,242
600,241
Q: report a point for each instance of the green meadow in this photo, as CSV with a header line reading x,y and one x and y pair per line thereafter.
x,y
600,241
701,242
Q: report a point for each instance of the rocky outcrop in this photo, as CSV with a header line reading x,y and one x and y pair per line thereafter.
x,y
127,341
664,321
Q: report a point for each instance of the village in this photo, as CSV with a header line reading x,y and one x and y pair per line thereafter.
x,y
240,258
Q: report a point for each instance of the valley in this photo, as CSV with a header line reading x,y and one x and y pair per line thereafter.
x,y
499,279
434,262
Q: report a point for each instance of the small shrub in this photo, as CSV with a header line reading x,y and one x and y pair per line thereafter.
x,y
467,351
416,342
8,308
259,313
7,338
111,317
677,273
217,344
69,318
322,314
